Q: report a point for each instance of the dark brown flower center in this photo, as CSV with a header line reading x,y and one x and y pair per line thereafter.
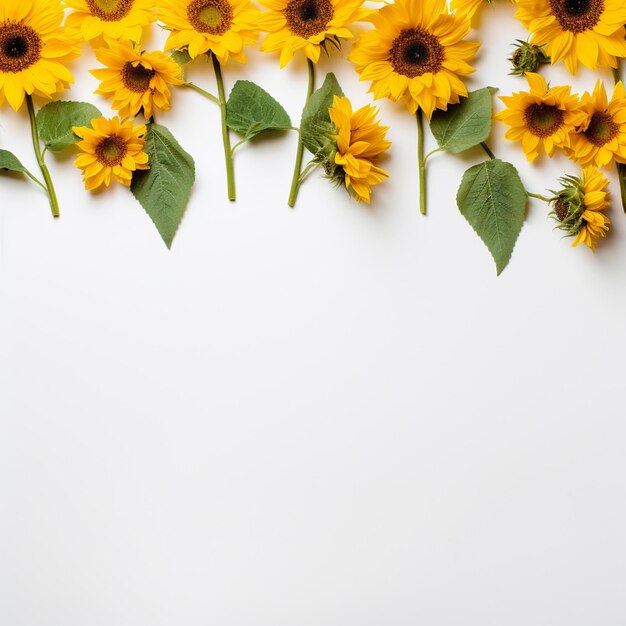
x,y
110,10
577,16
561,209
137,77
602,129
543,120
111,150
307,18
210,16
415,52
20,47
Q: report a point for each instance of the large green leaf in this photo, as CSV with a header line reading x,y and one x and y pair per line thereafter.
x,y
55,121
251,110
10,163
164,189
464,125
493,200
316,125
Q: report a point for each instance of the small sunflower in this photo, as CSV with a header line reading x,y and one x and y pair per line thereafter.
x,y
222,27
542,118
110,20
416,54
110,150
579,206
136,80
34,50
590,32
602,136
360,142
308,25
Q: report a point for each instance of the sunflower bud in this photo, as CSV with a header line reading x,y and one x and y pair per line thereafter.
x,y
527,57
568,205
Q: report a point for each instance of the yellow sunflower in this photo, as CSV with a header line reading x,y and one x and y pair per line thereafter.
x,y
579,206
136,80
416,54
110,20
590,32
308,25
542,118
602,137
222,27
34,50
110,150
360,141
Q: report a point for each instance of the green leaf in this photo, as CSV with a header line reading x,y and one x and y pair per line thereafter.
x,y
181,56
10,163
164,189
316,126
55,121
251,110
464,125
493,200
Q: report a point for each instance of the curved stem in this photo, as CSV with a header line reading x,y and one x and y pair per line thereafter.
x,y
486,148
421,161
538,196
54,203
431,153
297,179
206,94
228,155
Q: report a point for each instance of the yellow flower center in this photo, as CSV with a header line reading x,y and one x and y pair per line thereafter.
x,y
307,18
602,129
210,16
577,16
111,150
137,77
543,120
415,52
20,47
110,10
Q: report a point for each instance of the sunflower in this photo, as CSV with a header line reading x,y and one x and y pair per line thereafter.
x,y
602,136
542,118
578,207
110,20
587,31
136,80
34,50
360,142
110,150
416,54
308,25
222,27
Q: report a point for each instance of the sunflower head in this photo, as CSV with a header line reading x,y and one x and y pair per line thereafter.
x,y
601,137
34,50
110,150
135,80
308,26
416,54
527,57
590,32
543,118
356,144
578,207
221,27
104,21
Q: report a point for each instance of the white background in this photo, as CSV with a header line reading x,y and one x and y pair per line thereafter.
x,y
333,415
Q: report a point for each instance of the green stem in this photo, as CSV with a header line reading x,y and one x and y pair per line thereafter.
x,y
206,94
431,153
307,169
240,143
486,148
621,174
421,161
297,179
228,155
54,203
538,196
